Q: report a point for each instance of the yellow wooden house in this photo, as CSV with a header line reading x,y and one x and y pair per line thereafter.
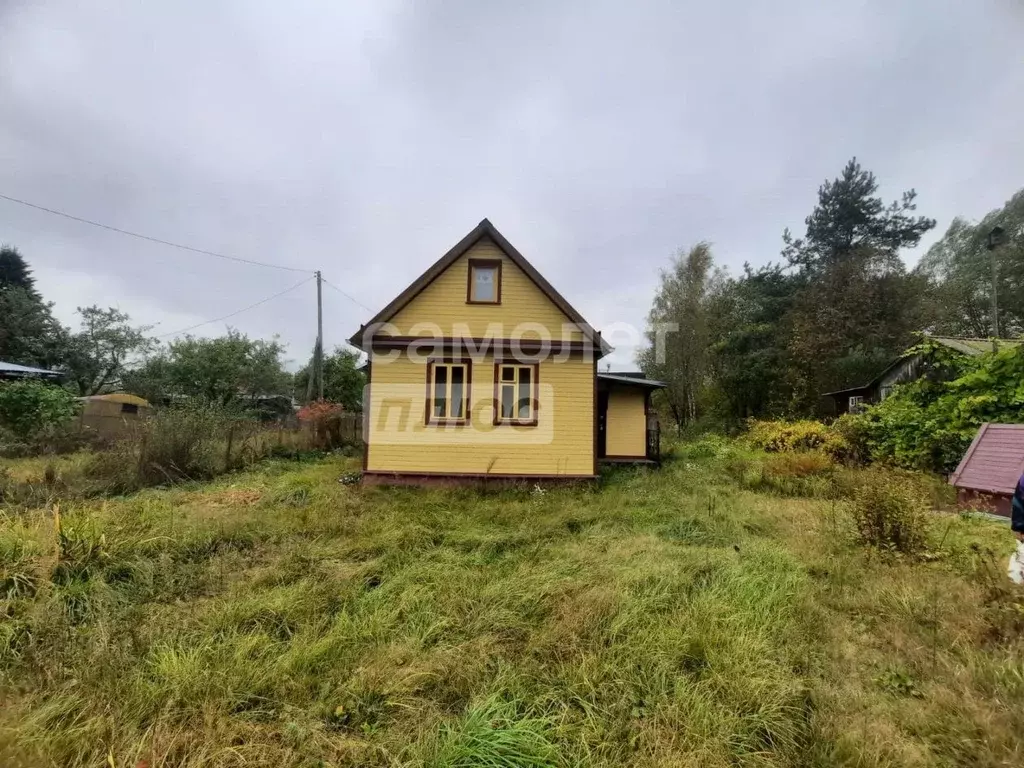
x,y
481,370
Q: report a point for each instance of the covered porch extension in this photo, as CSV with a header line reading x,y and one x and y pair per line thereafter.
x,y
627,429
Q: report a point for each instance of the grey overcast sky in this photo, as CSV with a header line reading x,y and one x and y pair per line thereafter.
x,y
366,138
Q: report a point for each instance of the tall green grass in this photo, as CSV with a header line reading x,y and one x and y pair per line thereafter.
x,y
672,617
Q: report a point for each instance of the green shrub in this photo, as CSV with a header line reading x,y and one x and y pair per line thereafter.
x,y
189,442
848,439
808,473
29,409
905,433
491,734
845,441
891,514
799,464
929,423
782,436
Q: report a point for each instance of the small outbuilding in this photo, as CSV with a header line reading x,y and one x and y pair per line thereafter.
x,y
112,415
989,471
627,428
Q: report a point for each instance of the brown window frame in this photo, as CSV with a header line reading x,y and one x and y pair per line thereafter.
x,y
494,264
428,416
534,398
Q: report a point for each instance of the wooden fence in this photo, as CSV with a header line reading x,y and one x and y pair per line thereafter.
x,y
345,429
350,428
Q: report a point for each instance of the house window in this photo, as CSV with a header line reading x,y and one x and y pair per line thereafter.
x,y
515,394
448,392
484,281
856,404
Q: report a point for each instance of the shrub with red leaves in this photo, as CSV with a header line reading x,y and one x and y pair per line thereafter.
x,y
320,410
324,420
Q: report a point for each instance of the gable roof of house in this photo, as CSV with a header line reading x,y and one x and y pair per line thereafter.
x,y
481,231
995,460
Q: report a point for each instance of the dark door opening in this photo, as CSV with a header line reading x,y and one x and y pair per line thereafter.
x,y
602,424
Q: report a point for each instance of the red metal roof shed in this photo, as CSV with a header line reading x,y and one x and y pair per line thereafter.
x,y
989,471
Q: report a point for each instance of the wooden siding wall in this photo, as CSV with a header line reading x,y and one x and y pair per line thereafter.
x,y
906,370
626,425
105,418
443,303
561,444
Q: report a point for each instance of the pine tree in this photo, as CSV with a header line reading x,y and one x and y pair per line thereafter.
x,y
29,334
849,218
858,308
15,272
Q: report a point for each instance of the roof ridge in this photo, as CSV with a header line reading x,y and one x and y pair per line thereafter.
x,y
970,338
485,229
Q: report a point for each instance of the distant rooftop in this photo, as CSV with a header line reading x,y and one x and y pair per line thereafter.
x,y
13,370
972,346
995,460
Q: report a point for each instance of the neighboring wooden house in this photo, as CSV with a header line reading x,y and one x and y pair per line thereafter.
x,y
907,367
481,370
989,471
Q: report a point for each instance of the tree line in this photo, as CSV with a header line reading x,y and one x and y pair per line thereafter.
x,y
108,352
836,307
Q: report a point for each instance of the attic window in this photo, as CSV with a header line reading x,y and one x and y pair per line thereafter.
x,y
484,282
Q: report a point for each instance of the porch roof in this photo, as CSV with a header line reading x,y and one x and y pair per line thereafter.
x,y
634,381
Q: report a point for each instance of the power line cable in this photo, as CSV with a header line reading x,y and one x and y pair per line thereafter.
x,y
202,251
347,296
238,312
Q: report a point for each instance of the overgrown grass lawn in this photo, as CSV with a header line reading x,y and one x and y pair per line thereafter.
x,y
279,618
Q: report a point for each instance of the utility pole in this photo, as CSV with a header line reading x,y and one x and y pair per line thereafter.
x,y
992,242
318,354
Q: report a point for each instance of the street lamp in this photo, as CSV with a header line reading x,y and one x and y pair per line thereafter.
x,y
993,241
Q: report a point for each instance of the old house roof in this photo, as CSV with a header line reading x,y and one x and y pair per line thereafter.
x,y
965,345
995,460
972,346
